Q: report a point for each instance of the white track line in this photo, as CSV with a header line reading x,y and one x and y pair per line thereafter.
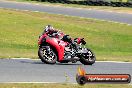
x,y
114,61
41,82
53,83
23,59
96,61
31,82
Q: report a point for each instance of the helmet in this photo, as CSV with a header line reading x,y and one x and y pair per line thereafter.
x,y
48,28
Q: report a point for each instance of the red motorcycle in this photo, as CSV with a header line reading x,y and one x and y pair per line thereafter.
x,y
57,47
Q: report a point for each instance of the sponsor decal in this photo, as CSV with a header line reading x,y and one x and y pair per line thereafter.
x,y
83,78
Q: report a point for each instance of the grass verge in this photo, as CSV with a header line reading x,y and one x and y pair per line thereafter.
x,y
19,31
64,86
105,8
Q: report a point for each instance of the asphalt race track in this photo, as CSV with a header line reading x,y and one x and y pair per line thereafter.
x,y
103,15
27,70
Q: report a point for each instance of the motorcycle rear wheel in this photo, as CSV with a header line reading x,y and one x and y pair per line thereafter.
x,y
88,58
48,58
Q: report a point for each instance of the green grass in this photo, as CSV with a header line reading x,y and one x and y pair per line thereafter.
x,y
64,86
106,8
19,31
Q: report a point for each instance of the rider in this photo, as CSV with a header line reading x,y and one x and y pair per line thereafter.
x,y
50,30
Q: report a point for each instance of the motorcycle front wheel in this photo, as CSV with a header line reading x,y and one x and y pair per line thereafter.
x,y
88,58
47,55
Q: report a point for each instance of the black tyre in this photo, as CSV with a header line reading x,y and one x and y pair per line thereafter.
x,y
81,80
47,55
88,58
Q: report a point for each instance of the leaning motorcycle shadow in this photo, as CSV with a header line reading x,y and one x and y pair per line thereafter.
x,y
57,63
29,62
38,62
68,64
